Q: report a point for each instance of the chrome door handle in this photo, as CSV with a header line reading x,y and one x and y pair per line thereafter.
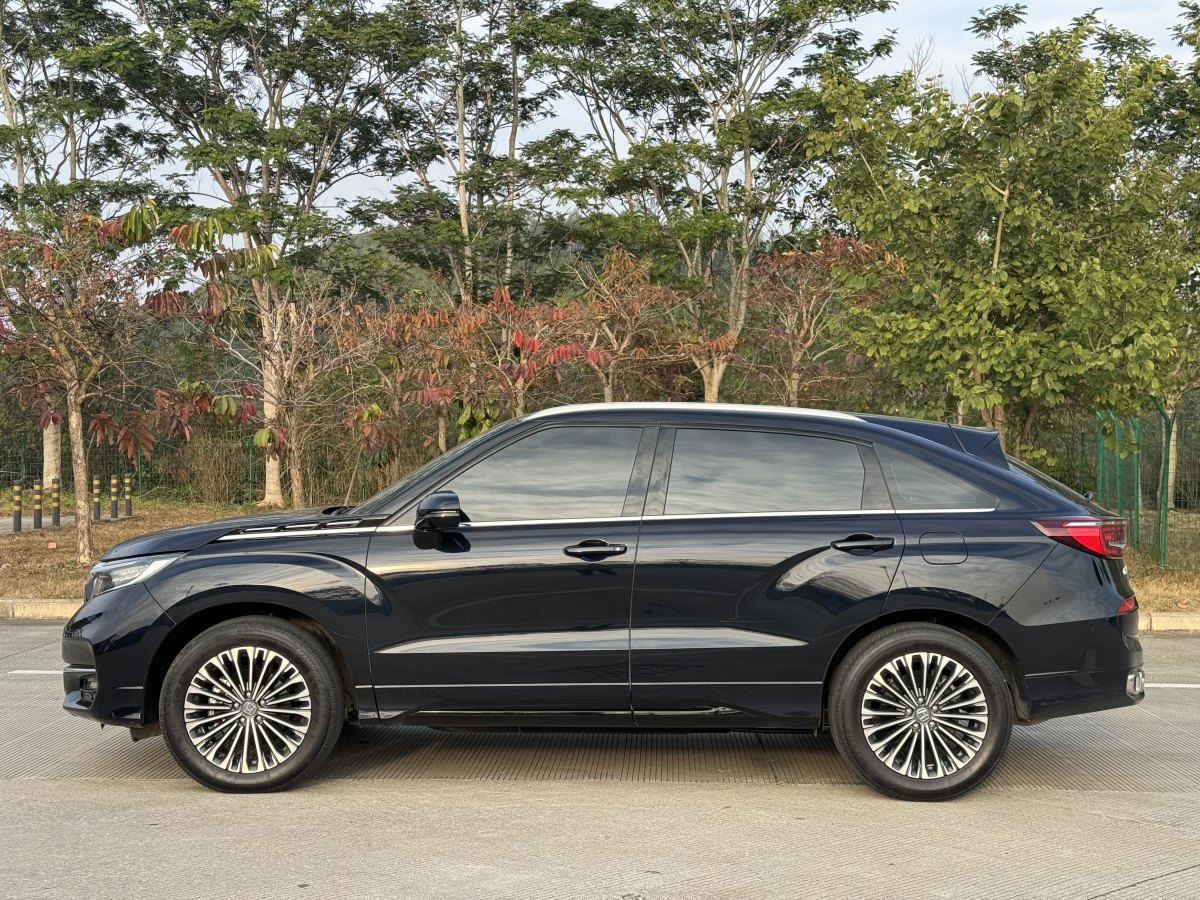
x,y
866,542
585,549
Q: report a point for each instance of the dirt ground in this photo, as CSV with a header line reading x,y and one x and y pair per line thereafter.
x,y
37,565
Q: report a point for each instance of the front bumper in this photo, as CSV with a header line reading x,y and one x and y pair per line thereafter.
x,y
109,647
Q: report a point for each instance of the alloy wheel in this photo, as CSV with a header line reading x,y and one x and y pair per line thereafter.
x,y
247,709
924,715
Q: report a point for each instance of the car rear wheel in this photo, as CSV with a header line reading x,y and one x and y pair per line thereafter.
x,y
920,711
252,704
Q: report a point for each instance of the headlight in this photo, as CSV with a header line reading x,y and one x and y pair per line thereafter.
x,y
108,575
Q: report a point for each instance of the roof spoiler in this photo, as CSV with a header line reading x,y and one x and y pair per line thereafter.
x,y
981,443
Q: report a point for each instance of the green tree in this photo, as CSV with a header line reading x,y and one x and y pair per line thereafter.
x,y
277,105
699,114
1029,222
463,204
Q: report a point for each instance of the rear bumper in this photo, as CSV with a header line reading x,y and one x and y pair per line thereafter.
x,y
1071,693
1072,667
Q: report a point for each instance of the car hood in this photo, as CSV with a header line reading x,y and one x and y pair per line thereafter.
x,y
189,537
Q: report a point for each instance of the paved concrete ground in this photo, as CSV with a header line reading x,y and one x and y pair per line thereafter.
x,y
1100,806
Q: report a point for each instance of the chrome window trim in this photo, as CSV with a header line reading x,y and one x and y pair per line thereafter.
x,y
781,513
604,520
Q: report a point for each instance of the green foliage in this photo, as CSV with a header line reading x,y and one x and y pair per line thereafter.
x,y
1039,256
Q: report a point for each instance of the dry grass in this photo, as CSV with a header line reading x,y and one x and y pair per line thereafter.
x,y
1164,590
29,569
32,569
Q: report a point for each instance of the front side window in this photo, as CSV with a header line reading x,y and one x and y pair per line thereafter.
x,y
573,472
716,471
917,484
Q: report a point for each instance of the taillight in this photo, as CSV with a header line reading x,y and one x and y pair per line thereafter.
x,y
1127,607
1103,537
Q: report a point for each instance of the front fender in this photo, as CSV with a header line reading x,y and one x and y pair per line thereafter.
x,y
330,591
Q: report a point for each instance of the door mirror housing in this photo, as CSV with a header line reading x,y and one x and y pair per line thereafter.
x,y
439,511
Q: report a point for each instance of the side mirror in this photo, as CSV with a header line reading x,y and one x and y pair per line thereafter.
x,y
439,512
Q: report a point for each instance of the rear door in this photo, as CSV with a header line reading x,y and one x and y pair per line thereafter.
x,y
760,550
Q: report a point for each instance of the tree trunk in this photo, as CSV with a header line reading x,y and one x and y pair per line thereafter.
x,y
296,474
79,474
995,419
51,453
441,438
712,372
793,388
1172,459
273,479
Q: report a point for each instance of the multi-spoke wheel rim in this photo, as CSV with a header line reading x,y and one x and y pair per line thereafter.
x,y
247,709
925,715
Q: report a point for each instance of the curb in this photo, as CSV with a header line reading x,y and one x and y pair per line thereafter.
x,y
1168,621
45,610
61,610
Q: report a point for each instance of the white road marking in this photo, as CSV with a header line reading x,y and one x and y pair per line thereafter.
x,y
1193,686
35,672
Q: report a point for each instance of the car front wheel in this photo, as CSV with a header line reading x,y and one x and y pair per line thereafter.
x,y
920,711
252,704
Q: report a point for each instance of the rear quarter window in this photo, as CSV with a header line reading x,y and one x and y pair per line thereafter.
x,y
917,484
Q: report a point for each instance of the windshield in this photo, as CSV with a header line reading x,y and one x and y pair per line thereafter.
x,y
388,500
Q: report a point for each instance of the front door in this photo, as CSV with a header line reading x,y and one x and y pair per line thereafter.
x,y
525,607
760,551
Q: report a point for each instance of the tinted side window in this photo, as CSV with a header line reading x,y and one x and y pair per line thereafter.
x,y
714,471
574,472
917,484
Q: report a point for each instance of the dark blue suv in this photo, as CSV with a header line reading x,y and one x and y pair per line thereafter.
x,y
687,566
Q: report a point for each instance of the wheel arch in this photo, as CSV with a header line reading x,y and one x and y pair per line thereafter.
x,y
995,646
278,603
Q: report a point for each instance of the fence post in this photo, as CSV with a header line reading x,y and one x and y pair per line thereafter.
x,y
1164,481
95,498
37,505
55,502
16,507
1100,457
112,497
128,495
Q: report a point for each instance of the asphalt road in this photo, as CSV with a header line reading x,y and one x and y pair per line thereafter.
x,y
1106,805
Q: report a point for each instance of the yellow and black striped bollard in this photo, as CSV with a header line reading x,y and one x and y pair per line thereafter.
x,y
95,498
55,502
16,507
112,496
37,506
128,495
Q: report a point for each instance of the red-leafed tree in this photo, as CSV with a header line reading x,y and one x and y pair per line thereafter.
x,y
798,301
618,322
72,308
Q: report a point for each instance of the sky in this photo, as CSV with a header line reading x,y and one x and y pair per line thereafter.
x,y
943,23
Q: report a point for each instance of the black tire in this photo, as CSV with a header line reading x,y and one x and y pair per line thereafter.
x,y
955,660
288,748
